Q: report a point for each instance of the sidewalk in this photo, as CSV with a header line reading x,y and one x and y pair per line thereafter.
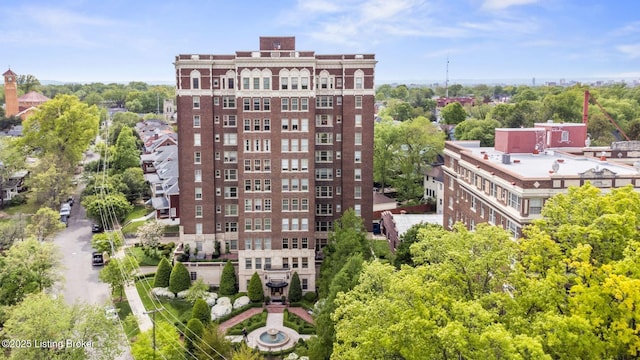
x,y
135,303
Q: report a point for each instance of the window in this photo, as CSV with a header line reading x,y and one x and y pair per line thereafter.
x,y
324,138
358,138
324,209
231,227
267,184
323,120
294,125
247,227
284,83
228,102
197,157
304,104
357,174
324,156
247,263
230,139
324,226
230,157
324,191
564,136
267,260
285,104
294,243
245,83
256,104
231,210
294,104
266,83
198,228
294,262
358,120
196,102
258,262
324,102
514,201
266,125
305,262
358,157
305,284
198,211
285,204
284,145
285,263
285,225
256,83
358,209
196,121
535,206
198,192
266,104
246,104
492,216
229,121
230,192
285,124
256,124
195,83
358,102
357,192
324,174
197,175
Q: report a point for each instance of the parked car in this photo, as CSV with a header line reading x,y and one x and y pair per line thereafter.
x,y
70,200
100,258
96,228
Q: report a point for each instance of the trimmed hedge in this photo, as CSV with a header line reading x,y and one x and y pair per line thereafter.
x,y
298,324
255,322
295,289
180,279
201,312
163,274
228,280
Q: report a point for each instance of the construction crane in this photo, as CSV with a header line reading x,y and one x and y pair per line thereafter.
x,y
585,113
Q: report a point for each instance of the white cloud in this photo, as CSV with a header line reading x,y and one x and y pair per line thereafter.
x,y
630,50
503,4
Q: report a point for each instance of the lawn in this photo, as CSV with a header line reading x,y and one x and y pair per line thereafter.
x,y
175,311
28,208
132,227
143,259
137,212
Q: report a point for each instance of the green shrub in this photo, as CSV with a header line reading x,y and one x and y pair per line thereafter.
x,y
255,291
228,280
310,297
295,289
201,312
180,279
163,274
192,333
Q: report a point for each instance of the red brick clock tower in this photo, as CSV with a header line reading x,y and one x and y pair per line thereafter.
x,y
10,93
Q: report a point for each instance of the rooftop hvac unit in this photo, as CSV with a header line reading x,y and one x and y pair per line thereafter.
x,y
506,159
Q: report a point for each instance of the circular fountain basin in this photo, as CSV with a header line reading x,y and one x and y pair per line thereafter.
x,y
272,338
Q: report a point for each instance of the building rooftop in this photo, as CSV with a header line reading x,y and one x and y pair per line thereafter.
x,y
405,221
529,165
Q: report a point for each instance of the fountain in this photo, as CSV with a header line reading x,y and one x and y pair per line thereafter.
x,y
273,338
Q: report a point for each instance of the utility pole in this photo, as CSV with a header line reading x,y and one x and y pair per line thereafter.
x,y
446,81
153,320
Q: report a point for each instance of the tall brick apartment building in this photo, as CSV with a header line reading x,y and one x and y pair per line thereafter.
x,y
274,145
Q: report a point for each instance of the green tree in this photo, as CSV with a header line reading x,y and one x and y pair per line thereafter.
x,y
198,290
27,83
126,154
348,238
119,273
246,353
213,344
11,160
45,224
63,127
106,241
453,113
483,130
255,290
131,183
606,222
40,317
50,181
149,235
295,289
228,280
193,333
201,311
386,143
180,279
27,267
168,344
163,274
408,238
114,204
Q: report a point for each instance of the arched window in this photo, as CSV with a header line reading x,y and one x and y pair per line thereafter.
x,y
195,79
284,79
358,79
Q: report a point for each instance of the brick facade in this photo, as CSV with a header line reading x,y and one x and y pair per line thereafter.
x,y
261,133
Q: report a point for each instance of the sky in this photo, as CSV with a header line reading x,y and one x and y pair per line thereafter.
x,y
485,41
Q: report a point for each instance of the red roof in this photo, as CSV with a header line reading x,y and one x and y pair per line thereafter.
x,y
33,97
9,72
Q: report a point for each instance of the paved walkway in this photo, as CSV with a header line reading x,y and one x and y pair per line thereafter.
x,y
275,320
135,303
